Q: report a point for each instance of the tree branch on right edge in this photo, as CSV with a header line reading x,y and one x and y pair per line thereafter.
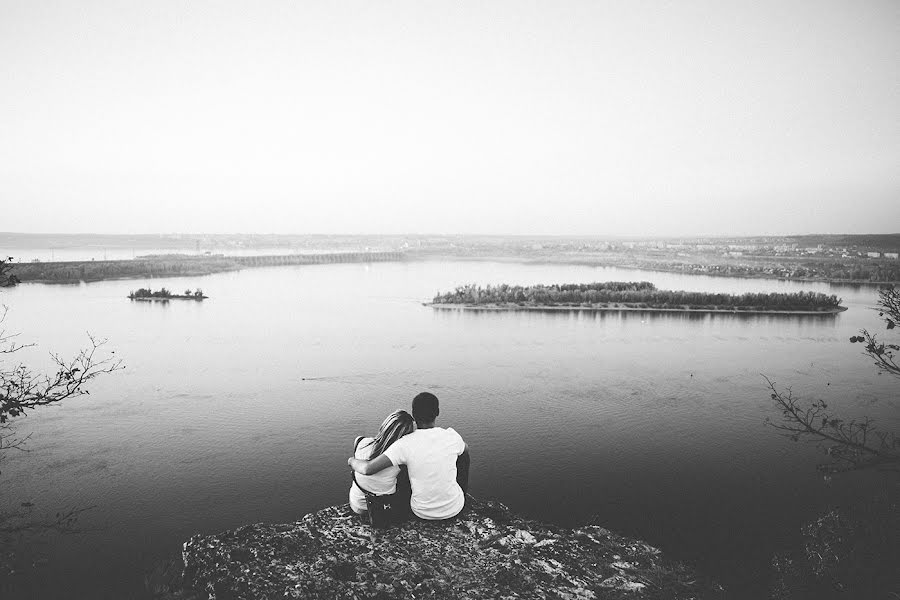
x,y
850,445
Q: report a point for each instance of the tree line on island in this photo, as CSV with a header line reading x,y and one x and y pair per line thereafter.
x,y
634,294
164,294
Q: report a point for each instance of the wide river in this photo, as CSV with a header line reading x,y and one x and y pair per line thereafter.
x,y
243,408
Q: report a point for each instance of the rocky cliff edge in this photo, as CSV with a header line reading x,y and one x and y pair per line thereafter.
x,y
486,552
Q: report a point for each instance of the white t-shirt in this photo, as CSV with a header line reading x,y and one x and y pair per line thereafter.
x,y
430,458
382,482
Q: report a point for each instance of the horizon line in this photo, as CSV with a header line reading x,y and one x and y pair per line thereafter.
x,y
436,234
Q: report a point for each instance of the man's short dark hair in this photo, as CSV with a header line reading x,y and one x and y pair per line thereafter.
x,y
425,408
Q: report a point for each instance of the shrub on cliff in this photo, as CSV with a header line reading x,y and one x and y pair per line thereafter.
x,y
7,278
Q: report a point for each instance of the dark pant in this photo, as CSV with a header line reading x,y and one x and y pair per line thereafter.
x,y
462,471
403,494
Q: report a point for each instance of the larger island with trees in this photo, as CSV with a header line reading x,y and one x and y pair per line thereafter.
x,y
632,295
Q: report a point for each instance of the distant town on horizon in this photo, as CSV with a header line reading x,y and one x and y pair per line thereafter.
x,y
847,258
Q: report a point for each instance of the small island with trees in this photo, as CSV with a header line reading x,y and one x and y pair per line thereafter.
x,y
632,296
164,295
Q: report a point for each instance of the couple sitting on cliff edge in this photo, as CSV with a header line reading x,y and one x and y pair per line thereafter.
x,y
436,461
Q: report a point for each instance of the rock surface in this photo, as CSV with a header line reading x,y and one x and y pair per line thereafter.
x,y
486,552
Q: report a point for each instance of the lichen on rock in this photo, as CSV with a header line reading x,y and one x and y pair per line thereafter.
x,y
486,552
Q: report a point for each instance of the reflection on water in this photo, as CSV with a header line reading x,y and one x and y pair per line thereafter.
x,y
645,315
243,408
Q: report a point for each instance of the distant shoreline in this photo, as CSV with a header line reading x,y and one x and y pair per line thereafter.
x,y
608,308
656,268
73,272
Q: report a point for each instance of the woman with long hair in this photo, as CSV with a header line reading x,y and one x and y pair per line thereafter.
x,y
395,426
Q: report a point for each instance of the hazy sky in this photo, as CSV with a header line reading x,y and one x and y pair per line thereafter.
x,y
638,118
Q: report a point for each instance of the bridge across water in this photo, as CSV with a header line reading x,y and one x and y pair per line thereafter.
x,y
317,259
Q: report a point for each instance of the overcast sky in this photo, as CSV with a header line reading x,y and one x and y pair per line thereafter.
x,y
632,118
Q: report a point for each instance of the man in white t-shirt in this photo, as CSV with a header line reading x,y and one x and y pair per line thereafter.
x,y
437,460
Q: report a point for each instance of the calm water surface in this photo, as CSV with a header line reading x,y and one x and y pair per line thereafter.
x,y
243,408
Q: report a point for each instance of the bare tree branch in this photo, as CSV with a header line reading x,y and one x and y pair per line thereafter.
x,y
850,445
8,343
21,390
62,522
9,441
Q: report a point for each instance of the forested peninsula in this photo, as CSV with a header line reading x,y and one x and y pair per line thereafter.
x,y
177,265
632,295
